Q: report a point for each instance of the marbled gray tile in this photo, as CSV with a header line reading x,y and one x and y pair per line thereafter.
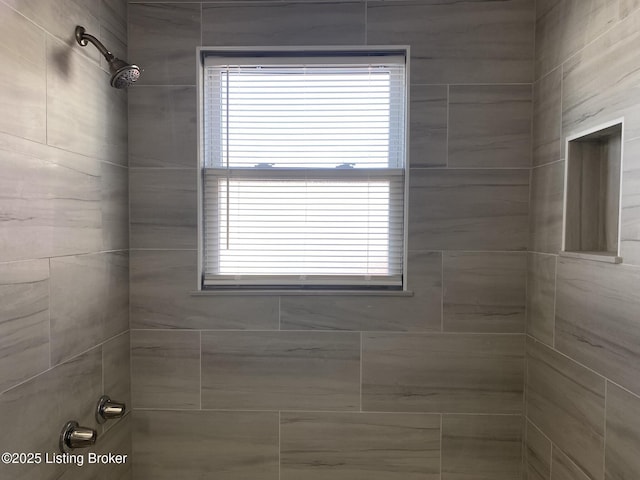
x,y
114,206
563,27
161,286
375,446
541,295
469,209
562,468
623,434
165,369
547,118
489,126
113,17
537,454
627,7
484,292
428,137
60,18
283,23
24,321
545,218
423,311
630,203
597,318
451,373
162,127
84,113
163,40
89,301
599,82
22,77
33,413
116,371
50,201
566,401
227,445
481,447
281,370
164,206
454,42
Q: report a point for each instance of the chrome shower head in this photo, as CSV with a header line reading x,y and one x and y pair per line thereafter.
x,y
123,74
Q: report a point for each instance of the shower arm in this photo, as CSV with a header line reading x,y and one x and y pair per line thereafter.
x,y
82,38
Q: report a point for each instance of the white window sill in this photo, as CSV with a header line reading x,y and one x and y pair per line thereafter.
x,y
314,293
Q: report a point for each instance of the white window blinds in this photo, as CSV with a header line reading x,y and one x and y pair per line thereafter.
x,y
303,171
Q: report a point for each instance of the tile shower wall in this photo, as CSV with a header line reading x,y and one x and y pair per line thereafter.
x,y
583,329
339,387
64,261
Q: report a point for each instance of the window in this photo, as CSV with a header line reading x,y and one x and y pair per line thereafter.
x,y
303,169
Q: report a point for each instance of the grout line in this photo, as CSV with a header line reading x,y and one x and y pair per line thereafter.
x,y
279,444
200,365
441,422
604,431
366,22
346,412
49,310
442,291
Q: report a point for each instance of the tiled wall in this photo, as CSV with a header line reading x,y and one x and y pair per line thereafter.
x,y
583,345
336,387
64,262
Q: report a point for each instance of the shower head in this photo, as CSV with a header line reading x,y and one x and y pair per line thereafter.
x,y
123,74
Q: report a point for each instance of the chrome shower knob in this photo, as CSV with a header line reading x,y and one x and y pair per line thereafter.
x,y
74,436
108,409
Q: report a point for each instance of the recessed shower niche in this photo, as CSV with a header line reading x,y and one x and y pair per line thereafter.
x,y
592,194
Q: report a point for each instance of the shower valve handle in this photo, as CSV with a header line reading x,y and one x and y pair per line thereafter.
x,y
108,409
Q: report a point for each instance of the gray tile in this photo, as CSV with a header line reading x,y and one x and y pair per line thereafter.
x,y
489,126
162,127
22,77
164,206
33,413
50,201
116,371
281,370
428,137
493,41
161,286
89,301
547,118
451,373
630,203
484,292
283,23
113,17
545,219
24,321
423,311
375,446
563,27
541,295
562,468
599,82
469,209
597,318
114,206
537,454
61,17
481,447
225,445
163,40
566,401
165,369
84,113
623,434
627,7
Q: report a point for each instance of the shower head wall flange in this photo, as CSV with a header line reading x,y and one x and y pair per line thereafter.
x,y
123,74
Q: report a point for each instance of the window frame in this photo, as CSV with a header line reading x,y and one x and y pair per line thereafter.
x,y
290,53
